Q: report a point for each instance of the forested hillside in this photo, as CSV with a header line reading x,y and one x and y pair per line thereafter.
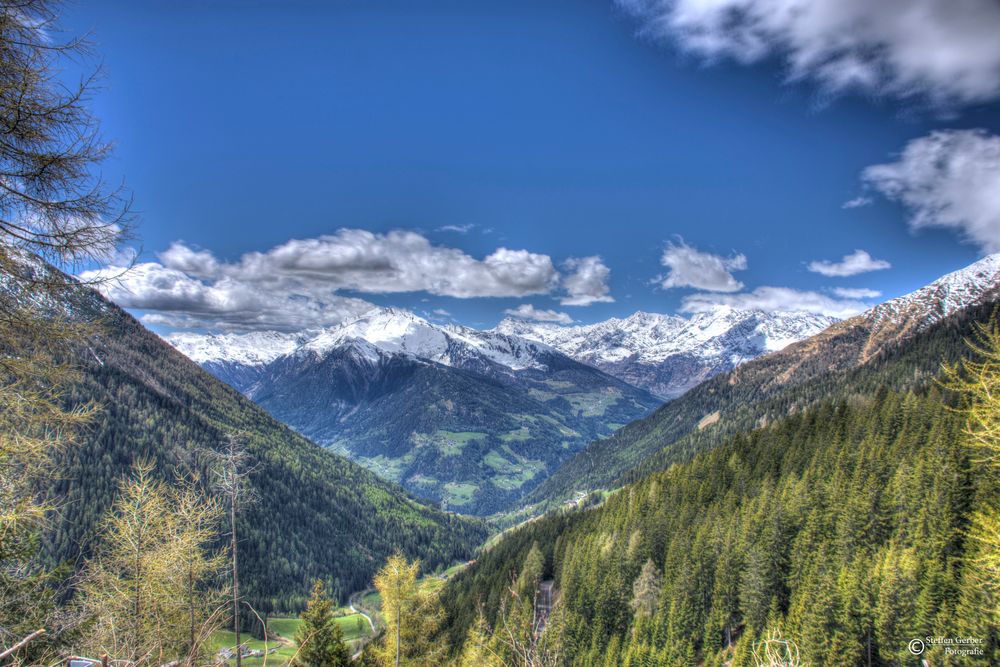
x,y
851,357
314,514
843,527
469,419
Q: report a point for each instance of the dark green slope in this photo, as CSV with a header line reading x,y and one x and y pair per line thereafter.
x,y
316,514
844,523
475,438
850,357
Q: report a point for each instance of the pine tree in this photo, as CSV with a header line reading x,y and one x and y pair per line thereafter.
x,y
531,572
319,636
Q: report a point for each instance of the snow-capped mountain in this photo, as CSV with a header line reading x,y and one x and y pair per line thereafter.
x,y
236,359
470,418
258,347
668,355
397,331
902,341
939,299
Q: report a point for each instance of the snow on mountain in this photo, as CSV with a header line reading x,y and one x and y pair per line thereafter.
x,y
379,332
664,354
397,331
252,349
669,354
661,353
946,295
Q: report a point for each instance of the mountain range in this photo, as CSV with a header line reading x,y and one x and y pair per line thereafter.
x,y
847,357
668,354
478,420
471,419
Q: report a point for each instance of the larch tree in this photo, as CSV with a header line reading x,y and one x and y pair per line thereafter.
x,y
646,590
412,616
150,593
233,467
978,382
54,213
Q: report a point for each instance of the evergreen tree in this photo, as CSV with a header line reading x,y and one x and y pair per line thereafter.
x,y
531,573
319,637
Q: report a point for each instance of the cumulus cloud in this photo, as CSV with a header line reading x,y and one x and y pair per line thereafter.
x,y
946,51
301,283
690,267
526,311
856,292
949,178
193,262
587,282
178,300
775,299
857,262
363,261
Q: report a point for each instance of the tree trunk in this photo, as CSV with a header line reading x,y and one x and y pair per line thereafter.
x,y
398,607
236,578
191,608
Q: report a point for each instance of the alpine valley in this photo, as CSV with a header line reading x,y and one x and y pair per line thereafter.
x,y
492,334
477,419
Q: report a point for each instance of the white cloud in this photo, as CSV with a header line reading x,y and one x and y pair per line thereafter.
x,y
526,311
690,267
856,292
192,262
949,178
587,283
300,283
457,229
857,262
946,51
178,300
857,202
775,299
397,261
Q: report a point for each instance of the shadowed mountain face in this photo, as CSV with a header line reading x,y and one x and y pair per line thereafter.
x,y
315,514
470,419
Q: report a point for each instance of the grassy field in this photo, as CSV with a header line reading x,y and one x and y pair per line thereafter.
x,y
371,602
354,627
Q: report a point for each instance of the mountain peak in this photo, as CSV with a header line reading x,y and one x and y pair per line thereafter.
x,y
939,299
667,354
253,348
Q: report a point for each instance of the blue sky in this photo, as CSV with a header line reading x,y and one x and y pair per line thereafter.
x,y
563,128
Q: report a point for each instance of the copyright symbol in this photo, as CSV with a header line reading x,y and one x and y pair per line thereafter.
x,y
916,646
